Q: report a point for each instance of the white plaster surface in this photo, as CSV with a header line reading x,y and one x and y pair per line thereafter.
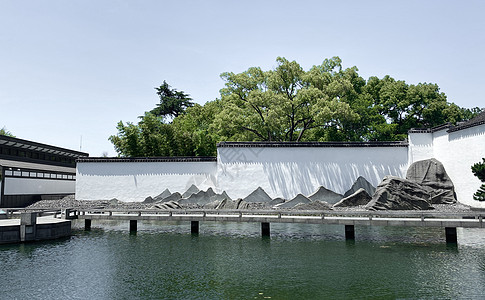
x,y
458,151
288,171
420,146
32,186
135,181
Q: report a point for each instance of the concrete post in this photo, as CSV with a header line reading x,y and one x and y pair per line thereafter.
x,y
349,232
87,224
265,229
133,225
194,227
450,233
28,224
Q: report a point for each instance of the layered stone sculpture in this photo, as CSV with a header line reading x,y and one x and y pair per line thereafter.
x,y
361,183
432,176
229,204
360,197
326,195
396,193
191,190
166,193
299,199
258,195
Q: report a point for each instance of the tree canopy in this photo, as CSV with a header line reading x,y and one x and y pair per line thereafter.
x,y
325,103
172,102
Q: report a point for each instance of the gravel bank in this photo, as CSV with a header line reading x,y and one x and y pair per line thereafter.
x,y
70,202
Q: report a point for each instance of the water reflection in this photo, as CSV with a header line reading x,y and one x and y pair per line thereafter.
x,y
233,261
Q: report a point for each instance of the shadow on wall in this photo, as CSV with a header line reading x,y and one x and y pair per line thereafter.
x,y
146,169
467,133
289,178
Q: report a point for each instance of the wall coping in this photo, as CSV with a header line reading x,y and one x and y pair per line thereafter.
x,y
311,144
147,159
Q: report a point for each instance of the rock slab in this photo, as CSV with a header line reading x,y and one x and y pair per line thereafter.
x,y
432,176
360,197
325,195
395,193
361,183
258,195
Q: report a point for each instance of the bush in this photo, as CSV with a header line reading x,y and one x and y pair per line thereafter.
x,y
478,170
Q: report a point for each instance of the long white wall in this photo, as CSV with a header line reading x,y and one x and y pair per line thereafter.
x,y
288,171
135,181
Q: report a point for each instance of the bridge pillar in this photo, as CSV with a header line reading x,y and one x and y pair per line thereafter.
x,y
194,227
28,226
87,224
349,232
133,225
265,229
450,233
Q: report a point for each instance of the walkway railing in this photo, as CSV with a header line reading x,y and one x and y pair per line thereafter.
x,y
447,220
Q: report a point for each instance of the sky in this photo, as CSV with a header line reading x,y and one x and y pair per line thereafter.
x,y
71,70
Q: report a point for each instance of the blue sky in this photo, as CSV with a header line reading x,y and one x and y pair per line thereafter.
x,y
75,68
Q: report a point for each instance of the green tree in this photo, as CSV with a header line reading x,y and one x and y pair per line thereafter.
x,y
193,131
283,104
150,137
478,170
172,102
4,131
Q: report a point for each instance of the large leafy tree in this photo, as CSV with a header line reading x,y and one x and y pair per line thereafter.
x,y
172,102
193,131
150,137
283,104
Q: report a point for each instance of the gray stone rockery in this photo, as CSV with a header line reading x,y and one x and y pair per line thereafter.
x,y
432,176
258,195
396,193
360,197
299,199
326,195
361,183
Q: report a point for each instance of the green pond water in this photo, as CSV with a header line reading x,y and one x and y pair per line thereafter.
x,y
231,261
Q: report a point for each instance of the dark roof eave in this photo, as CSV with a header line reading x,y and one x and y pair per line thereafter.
x,y
465,126
148,159
25,144
312,144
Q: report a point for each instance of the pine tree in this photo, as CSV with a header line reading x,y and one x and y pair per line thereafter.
x,y
478,170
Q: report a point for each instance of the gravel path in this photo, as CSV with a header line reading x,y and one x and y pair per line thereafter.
x,y
70,202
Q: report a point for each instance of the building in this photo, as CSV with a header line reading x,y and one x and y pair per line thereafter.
x,y
33,171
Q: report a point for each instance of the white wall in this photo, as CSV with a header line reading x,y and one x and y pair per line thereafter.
x,y
288,171
458,151
32,186
420,146
135,181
